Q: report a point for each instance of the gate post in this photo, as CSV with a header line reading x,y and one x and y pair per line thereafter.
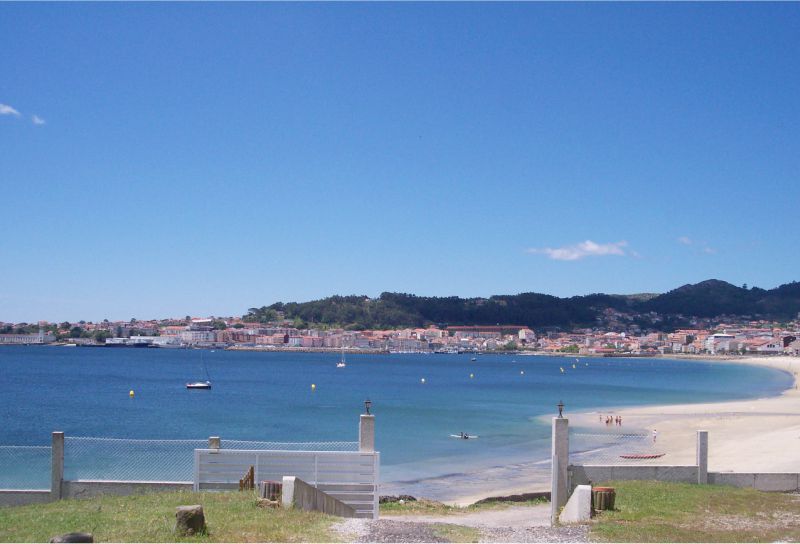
x,y
560,458
366,433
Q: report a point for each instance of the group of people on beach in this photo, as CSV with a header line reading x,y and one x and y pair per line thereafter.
x,y
612,420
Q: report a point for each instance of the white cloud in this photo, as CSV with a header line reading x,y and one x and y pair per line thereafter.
x,y
5,109
699,246
581,250
37,120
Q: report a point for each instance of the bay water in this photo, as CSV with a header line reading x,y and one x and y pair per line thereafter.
x,y
418,400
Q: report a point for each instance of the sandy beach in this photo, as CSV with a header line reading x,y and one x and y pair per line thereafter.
x,y
753,435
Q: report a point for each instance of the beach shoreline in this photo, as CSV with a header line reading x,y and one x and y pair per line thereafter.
x,y
756,435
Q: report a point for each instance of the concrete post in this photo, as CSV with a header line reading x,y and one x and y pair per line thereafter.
x,y
366,433
56,465
560,455
702,457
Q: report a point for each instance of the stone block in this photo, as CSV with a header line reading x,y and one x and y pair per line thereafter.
x,y
735,479
579,506
190,520
776,481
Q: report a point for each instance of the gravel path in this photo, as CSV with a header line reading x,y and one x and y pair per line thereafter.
x,y
514,524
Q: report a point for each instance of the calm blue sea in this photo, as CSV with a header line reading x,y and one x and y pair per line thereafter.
x,y
268,396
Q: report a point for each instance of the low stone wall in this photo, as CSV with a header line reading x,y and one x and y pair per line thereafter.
x,y
82,489
21,497
304,496
587,474
763,481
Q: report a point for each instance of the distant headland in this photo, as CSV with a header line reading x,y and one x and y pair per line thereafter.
x,y
711,317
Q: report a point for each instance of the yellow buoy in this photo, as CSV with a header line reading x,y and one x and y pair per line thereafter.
x,y
422,380
313,386
130,393
472,375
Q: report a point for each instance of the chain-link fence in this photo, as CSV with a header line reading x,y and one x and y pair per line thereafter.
x,y
25,467
613,449
88,458
607,456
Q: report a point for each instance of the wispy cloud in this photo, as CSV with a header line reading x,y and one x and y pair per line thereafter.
x,y
38,120
698,246
5,109
581,250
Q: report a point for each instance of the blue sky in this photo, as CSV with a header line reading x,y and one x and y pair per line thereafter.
x,y
204,158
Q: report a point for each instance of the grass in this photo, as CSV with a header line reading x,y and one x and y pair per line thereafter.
x,y
456,533
433,508
230,517
671,512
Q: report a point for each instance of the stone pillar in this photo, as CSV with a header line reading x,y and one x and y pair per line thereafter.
x,y
213,442
558,483
56,465
366,433
702,457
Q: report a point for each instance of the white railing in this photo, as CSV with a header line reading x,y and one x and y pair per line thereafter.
x,y
349,476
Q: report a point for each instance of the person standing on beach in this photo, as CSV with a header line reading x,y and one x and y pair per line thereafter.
x,y
655,435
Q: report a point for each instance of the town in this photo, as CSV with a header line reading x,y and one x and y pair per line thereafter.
x,y
615,335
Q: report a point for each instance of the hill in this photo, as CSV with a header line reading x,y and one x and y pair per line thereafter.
x,y
708,298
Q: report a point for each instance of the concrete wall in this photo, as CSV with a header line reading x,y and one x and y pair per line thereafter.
x,y
82,489
20,497
304,496
763,481
587,474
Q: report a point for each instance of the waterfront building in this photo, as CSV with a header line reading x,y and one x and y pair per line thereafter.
x,y
39,338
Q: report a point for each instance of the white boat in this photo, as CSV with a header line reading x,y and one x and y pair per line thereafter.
x,y
464,436
341,363
201,385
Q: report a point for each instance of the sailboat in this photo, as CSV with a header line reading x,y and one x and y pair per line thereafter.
x,y
201,385
341,363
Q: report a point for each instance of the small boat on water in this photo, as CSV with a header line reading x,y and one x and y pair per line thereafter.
x,y
201,385
341,363
464,436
